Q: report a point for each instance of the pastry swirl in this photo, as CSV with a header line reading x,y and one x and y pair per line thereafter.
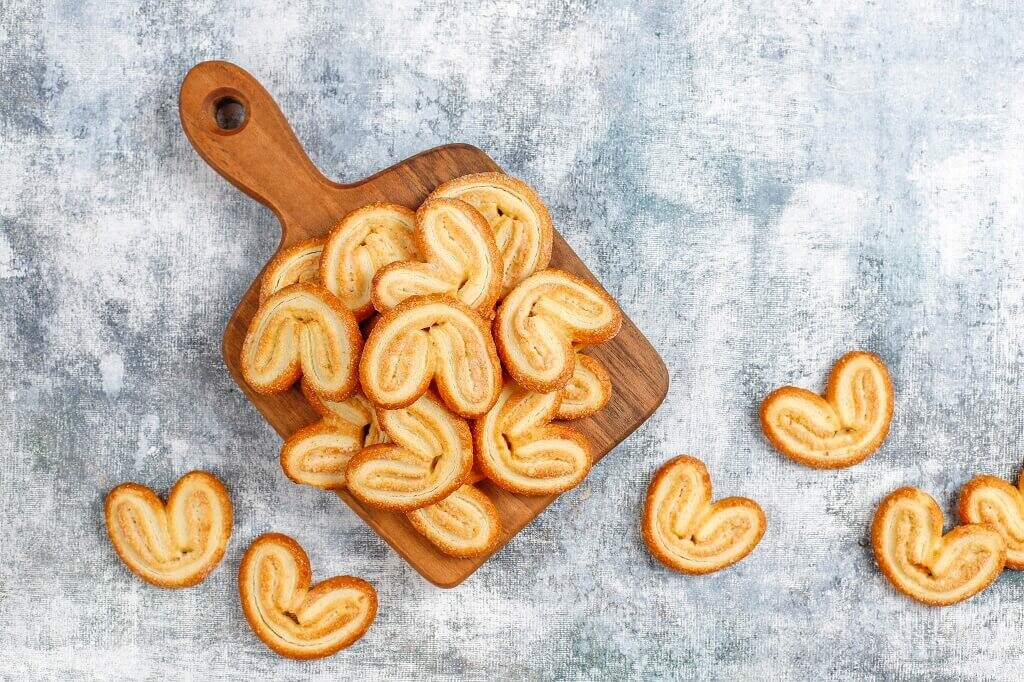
x,y
298,263
587,392
431,338
457,257
520,451
686,532
922,563
464,524
176,545
293,618
302,330
363,242
996,503
519,219
430,456
840,429
539,322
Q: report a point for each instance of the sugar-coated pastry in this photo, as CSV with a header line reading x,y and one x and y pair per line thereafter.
x,y
519,219
363,242
431,338
457,256
464,524
430,456
587,392
297,263
302,330
176,545
996,503
840,429
293,617
686,532
539,322
926,565
520,451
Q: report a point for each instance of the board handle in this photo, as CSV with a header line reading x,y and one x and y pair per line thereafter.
x,y
237,127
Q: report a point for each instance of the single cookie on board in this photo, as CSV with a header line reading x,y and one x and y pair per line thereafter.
x,y
519,219
587,392
430,456
686,532
362,243
520,451
172,545
542,321
293,618
464,524
298,263
302,330
457,256
431,338
926,565
996,503
840,429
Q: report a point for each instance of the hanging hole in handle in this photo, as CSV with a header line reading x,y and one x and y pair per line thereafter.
x,y
227,111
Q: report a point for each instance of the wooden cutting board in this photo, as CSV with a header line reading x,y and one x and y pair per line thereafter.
x,y
239,130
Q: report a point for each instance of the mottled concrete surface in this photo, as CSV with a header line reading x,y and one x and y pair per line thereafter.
x,y
763,185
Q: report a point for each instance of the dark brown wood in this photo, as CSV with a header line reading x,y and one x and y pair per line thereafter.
x,y
263,158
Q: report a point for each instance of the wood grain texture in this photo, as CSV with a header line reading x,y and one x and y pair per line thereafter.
x,y
263,158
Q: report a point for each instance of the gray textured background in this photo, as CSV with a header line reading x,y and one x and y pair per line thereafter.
x,y
763,185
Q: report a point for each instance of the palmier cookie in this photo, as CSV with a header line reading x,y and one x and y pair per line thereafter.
x,y
520,451
925,565
519,219
587,392
996,503
431,338
430,456
302,330
840,429
686,532
176,545
464,524
539,322
293,618
298,263
363,242
457,256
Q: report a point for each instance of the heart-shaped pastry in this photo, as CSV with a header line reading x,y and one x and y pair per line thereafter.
x,y
430,456
431,338
292,618
686,532
464,524
519,219
587,392
363,242
521,452
298,263
302,330
840,429
993,501
926,565
457,256
542,319
176,545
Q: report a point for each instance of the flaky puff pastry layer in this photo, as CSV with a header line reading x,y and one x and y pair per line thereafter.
x,y
926,565
840,429
302,330
587,392
293,617
296,264
996,503
172,545
428,339
519,219
542,321
362,243
464,524
519,450
686,532
429,457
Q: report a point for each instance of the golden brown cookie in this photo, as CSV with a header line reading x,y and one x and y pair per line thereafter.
x,y
298,263
996,503
587,392
464,524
